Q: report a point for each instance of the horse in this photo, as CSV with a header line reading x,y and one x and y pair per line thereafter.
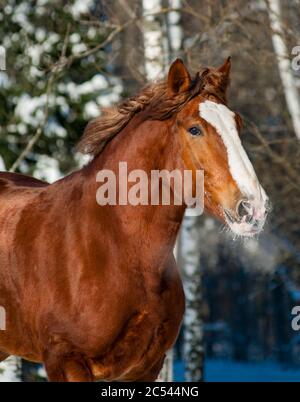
x,y
93,291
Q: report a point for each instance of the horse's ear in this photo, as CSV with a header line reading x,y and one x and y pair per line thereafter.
x,y
225,67
179,79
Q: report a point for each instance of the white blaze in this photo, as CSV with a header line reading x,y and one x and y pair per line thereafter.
x,y
241,169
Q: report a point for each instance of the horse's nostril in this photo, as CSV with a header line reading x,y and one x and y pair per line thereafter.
x,y
244,209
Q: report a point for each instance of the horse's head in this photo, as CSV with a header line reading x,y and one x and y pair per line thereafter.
x,y
209,134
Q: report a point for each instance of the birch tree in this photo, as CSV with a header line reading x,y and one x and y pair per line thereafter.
x,y
189,245
156,61
189,253
284,66
2,164
154,41
162,44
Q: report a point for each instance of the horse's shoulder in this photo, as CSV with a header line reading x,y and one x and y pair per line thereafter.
x,y
8,179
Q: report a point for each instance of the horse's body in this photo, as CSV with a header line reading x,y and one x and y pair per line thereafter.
x,y
94,292
73,279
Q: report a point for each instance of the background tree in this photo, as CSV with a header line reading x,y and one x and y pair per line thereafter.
x,y
52,86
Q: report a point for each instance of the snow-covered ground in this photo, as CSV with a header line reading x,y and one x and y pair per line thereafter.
x,y
227,370
216,370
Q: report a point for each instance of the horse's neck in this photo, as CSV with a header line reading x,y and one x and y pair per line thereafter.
x,y
150,146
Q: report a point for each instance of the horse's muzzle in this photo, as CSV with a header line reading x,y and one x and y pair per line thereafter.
x,y
249,217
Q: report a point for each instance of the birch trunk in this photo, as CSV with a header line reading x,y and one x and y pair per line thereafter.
x,y
2,164
192,281
189,256
157,41
286,74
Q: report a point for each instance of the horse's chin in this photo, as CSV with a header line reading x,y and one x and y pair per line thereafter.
x,y
243,229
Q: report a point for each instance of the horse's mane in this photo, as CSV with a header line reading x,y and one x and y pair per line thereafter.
x,y
157,103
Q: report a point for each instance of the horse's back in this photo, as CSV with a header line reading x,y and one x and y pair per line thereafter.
x,y
17,192
11,180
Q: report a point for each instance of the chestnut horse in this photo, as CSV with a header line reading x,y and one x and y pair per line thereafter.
x,y
91,291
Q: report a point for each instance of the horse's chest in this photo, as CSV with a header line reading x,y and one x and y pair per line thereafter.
x,y
144,339
141,346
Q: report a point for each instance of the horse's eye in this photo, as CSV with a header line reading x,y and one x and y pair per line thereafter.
x,y
195,130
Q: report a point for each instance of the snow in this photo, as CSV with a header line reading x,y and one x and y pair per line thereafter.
x,y
40,34
227,371
20,17
27,107
113,96
97,83
151,6
78,48
214,371
53,128
35,52
21,128
81,7
42,2
63,106
10,369
4,80
47,168
91,110
82,159
92,32
75,37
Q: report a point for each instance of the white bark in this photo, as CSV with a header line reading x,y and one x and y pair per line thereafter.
x,y
2,164
154,41
155,68
174,29
286,74
166,374
189,250
193,323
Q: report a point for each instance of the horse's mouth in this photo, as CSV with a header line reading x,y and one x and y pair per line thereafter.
x,y
244,227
